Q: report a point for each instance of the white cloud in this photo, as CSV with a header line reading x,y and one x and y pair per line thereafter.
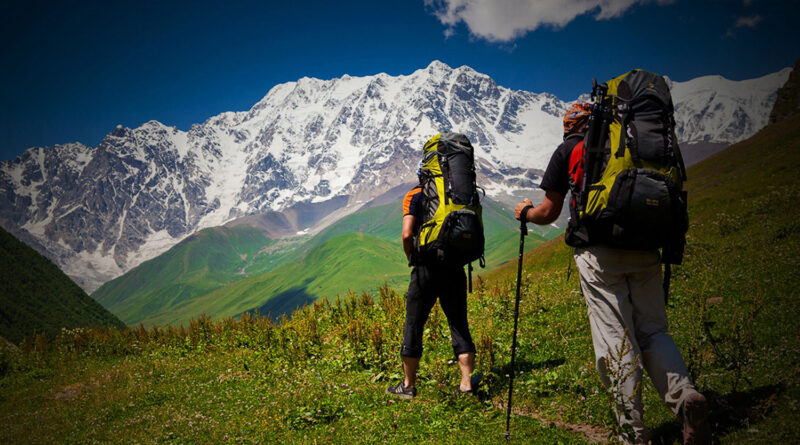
x,y
505,20
743,22
748,22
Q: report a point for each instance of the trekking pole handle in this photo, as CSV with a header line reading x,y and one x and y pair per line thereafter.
x,y
523,220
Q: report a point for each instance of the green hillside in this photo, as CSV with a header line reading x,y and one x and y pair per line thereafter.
x,y
224,271
383,221
36,297
320,375
353,262
201,262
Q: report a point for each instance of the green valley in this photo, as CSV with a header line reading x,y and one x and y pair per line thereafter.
x,y
225,271
344,263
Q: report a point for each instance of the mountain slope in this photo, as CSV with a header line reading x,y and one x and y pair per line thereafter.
x,y
717,110
352,262
202,262
97,212
788,100
321,375
141,190
179,284
36,297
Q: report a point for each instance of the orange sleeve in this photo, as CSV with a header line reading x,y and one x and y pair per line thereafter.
x,y
407,200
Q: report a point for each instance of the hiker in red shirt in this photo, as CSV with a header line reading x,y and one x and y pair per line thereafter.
x,y
625,301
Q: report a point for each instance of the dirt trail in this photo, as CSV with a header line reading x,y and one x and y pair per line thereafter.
x,y
592,433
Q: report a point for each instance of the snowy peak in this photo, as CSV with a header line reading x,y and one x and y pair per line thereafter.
x,y
715,109
100,211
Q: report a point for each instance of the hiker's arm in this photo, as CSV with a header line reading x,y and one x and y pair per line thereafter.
x,y
546,212
408,235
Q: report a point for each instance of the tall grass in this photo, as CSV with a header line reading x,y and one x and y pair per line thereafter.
x,y
320,375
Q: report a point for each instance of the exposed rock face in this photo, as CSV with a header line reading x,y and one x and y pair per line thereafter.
x,y
100,211
787,101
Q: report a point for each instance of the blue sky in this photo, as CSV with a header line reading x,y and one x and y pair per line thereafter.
x,y
73,72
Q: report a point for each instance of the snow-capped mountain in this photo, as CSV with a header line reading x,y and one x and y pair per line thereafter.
x,y
100,211
715,109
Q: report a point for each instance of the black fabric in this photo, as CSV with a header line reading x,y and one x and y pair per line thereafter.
x,y
651,135
523,214
461,237
447,181
448,284
556,177
643,84
457,161
646,118
672,253
644,211
415,207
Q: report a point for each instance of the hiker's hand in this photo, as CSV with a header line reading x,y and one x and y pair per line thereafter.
x,y
521,206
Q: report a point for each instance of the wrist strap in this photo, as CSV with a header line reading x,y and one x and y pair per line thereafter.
x,y
523,214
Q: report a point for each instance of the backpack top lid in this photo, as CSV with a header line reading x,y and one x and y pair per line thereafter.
x,y
441,147
637,85
447,139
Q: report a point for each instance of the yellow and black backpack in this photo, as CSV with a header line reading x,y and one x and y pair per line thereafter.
x,y
452,228
631,193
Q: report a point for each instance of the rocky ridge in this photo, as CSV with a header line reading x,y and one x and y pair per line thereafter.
x,y
100,211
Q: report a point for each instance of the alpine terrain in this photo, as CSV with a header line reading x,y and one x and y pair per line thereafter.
x,y
317,148
320,376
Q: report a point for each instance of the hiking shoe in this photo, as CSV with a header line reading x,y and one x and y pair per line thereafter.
x,y
474,381
457,391
695,420
401,391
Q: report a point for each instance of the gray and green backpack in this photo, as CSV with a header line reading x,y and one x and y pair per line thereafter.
x,y
452,228
631,194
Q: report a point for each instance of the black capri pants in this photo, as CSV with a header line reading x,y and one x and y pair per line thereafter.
x,y
449,285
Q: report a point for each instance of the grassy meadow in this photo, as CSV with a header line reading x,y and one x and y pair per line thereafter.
x,y
320,376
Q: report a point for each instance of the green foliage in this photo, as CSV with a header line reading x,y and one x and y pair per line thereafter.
x,y
35,296
320,375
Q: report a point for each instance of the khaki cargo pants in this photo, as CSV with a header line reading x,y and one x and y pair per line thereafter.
x,y
625,300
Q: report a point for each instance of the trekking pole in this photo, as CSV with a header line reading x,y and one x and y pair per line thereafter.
x,y
523,230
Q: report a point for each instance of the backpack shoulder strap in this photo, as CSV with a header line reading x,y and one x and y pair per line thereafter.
x,y
575,167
